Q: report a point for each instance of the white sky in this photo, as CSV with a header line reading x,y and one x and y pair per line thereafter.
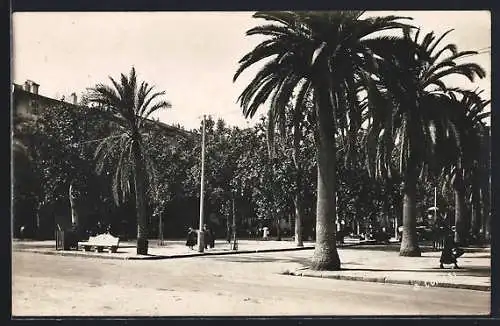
x,y
190,55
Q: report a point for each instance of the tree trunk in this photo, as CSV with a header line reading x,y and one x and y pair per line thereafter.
x,y
409,242
298,220
461,224
476,215
278,229
38,225
228,229
297,200
325,255
72,202
484,214
140,205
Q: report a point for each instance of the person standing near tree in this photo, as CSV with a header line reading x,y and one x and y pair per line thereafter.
x,y
208,235
191,238
212,238
450,251
265,233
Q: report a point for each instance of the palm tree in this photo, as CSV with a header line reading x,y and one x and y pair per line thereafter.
x,y
408,115
465,164
323,51
132,104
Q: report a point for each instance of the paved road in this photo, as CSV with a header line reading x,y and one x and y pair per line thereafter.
x,y
246,284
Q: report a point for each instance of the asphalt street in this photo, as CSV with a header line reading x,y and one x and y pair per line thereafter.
x,y
242,285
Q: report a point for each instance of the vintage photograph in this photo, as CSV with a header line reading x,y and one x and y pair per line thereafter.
x,y
238,163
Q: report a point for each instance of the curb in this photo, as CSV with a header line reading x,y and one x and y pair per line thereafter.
x,y
416,283
158,257
224,253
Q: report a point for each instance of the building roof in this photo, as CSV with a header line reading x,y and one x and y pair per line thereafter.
x,y
19,93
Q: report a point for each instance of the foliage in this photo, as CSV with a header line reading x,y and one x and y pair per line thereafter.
x,y
371,109
59,153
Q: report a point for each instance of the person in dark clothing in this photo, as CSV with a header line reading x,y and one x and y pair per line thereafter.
x,y
208,236
212,238
448,256
191,238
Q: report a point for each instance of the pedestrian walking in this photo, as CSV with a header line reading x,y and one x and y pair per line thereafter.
x,y
208,236
212,238
265,233
191,238
22,232
450,252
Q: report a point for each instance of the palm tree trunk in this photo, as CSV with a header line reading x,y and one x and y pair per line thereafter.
x,y
325,255
460,212
140,206
409,243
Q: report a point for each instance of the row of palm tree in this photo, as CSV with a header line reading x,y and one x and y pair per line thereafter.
x,y
394,86
343,75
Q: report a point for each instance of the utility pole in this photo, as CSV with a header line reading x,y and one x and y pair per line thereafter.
x,y
201,235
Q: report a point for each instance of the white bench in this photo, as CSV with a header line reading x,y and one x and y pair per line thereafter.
x,y
100,242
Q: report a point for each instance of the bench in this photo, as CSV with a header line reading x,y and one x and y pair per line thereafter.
x,y
100,242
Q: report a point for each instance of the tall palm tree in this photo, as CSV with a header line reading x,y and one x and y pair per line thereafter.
x,y
323,51
408,109
132,103
465,164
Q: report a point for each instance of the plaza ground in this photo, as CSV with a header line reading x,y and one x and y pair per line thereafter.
x,y
246,284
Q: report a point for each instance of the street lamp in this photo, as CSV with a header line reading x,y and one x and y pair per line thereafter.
x,y
201,235
235,244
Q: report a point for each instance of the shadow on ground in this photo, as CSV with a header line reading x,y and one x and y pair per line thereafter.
x,y
394,247
475,271
261,259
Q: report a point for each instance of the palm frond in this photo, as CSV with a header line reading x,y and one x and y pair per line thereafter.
x,y
433,46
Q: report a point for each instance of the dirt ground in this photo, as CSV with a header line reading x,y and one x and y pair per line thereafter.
x,y
44,285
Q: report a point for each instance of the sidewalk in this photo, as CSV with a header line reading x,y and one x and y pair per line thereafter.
x,y
375,265
169,249
360,261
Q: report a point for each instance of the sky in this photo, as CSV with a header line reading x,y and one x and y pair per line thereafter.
x,y
192,56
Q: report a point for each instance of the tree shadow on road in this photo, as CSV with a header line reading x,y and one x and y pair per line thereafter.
x,y
393,247
474,257
262,259
477,271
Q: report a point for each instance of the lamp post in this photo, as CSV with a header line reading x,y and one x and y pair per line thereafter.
x,y
435,204
235,244
201,235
